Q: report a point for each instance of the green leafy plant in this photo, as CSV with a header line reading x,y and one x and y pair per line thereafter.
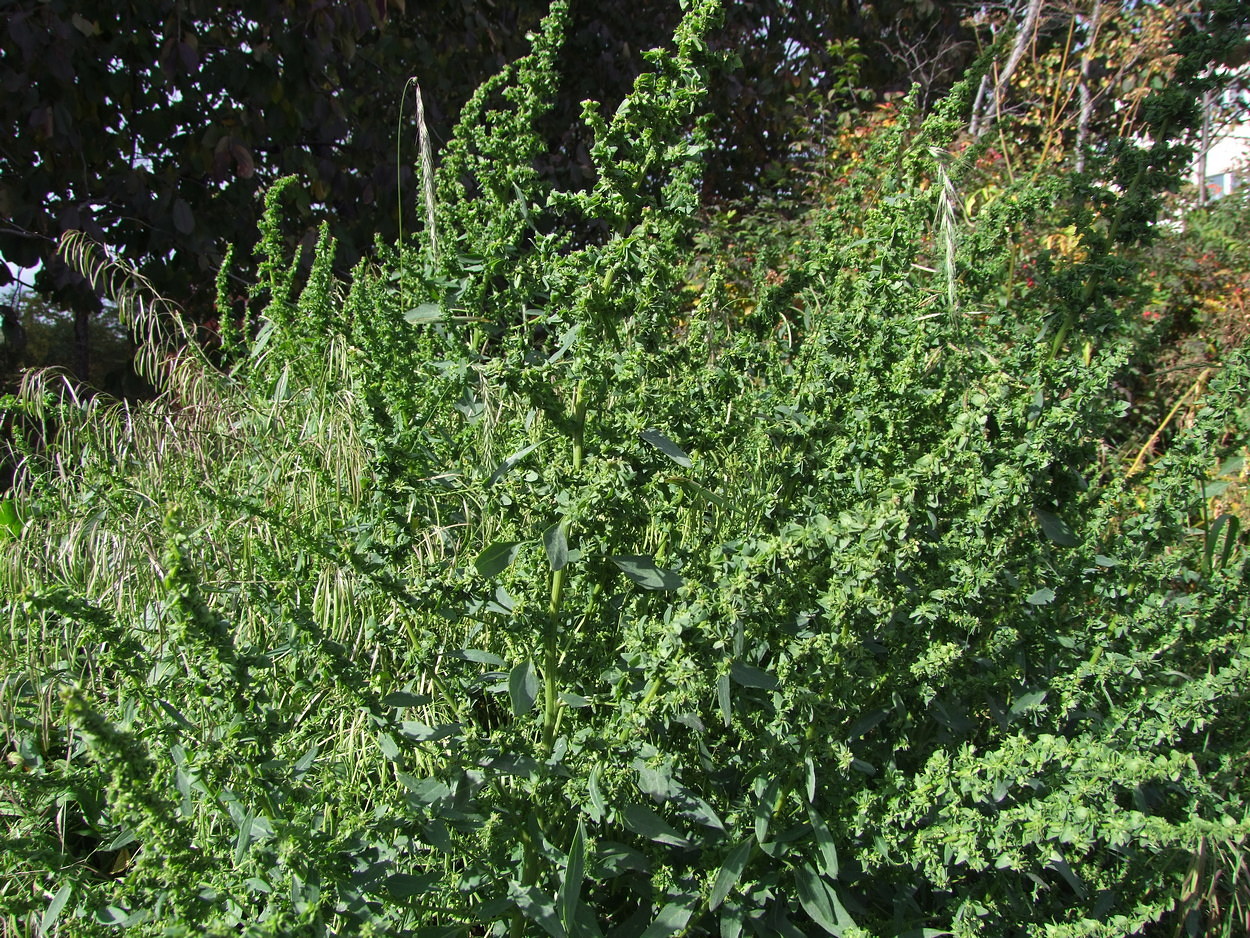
x,y
536,585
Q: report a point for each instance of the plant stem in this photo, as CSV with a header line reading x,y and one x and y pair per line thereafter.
x,y
551,638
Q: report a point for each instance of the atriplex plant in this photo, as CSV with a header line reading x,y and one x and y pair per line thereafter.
x,y
522,594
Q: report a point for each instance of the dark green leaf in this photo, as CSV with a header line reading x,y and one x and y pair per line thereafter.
x,y
815,899
405,885
304,763
671,920
522,688
176,715
1026,702
574,872
699,811
764,809
730,872
495,559
537,907
386,743
697,490
667,447
646,823
1056,529
825,847
866,722
184,219
643,571
749,676
598,810
613,859
111,915
557,546
723,698
566,343
124,839
732,918
244,840
425,790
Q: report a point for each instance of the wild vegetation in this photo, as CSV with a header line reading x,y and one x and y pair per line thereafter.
x,y
587,567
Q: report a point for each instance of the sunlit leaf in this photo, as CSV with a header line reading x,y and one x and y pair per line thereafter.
x,y
495,559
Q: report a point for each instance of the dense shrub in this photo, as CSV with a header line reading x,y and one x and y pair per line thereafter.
x,y
525,585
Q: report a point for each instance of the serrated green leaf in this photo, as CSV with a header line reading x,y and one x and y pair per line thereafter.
x,y
1041,597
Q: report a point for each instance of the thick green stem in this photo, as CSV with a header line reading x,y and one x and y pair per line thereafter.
x,y
551,661
551,637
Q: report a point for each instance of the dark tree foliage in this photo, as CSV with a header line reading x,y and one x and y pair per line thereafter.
x,y
152,126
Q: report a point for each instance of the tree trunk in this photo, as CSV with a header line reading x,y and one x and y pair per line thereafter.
x,y
1087,96
994,107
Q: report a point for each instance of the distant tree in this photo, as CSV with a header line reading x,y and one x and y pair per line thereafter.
x,y
152,126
